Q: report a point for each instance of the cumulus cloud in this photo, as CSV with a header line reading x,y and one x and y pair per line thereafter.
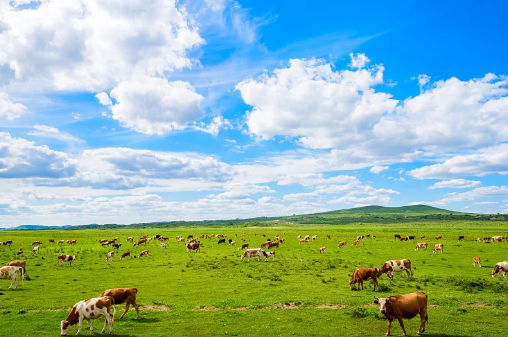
x,y
456,183
485,161
359,60
91,45
45,131
153,105
217,123
10,109
20,158
379,169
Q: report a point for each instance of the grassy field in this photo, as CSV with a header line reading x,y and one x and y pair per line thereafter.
x,y
301,293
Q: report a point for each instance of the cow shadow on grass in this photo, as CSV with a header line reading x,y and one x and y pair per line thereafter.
x,y
145,320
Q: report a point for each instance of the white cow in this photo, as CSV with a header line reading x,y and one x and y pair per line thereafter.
x,y
255,252
500,267
437,247
12,272
389,267
163,245
90,309
110,256
35,249
271,253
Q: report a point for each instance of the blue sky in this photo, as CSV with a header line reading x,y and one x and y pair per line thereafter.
x,y
127,111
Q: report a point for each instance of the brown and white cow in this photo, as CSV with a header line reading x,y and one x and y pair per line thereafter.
x,y
404,306
254,252
66,258
438,237
265,244
500,267
35,249
142,241
12,273
124,255
244,246
342,244
110,256
421,245
271,253
437,247
36,243
322,250
71,242
422,237
124,295
232,243
89,309
304,240
130,239
18,263
193,246
20,251
143,253
163,245
497,238
355,243
389,267
364,274
476,260
478,239
61,242
273,244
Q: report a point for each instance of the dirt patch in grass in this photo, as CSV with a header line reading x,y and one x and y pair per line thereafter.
x,y
332,306
154,307
286,306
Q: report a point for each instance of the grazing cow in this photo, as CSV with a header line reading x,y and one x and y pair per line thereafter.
x,y
304,240
230,240
232,243
20,251
163,245
342,244
106,243
421,245
143,253
130,239
36,243
61,242
422,237
367,235
487,239
125,255
359,237
142,240
364,274
71,242
500,267
461,238
254,252
438,237
306,237
273,244
328,236
403,238
89,309
478,239
437,247
355,243
190,237
117,246
65,258
314,238
181,240
410,237
404,306
270,253
476,260
101,241
389,267
110,256
121,295
497,238
35,249
18,263
244,246
397,236
11,273
322,250
51,241
221,241
193,246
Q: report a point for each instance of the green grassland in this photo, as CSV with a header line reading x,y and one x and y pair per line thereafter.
x,y
301,293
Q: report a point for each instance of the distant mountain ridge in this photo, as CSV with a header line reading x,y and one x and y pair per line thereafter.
x,y
358,215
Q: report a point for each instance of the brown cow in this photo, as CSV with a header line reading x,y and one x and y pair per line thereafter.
x,y
18,263
421,245
121,295
273,244
404,306
363,274
476,260
438,237
51,240
487,239
36,243
125,255
342,244
110,256
20,251
71,242
143,253
244,246
422,237
355,243
397,236
142,240
193,246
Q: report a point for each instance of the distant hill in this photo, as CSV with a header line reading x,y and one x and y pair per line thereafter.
x,y
360,215
34,228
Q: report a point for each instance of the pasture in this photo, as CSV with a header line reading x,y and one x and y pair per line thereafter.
x,y
301,293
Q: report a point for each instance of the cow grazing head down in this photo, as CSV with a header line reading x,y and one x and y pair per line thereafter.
x,y
383,304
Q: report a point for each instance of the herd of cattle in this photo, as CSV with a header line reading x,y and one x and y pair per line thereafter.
x,y
394,307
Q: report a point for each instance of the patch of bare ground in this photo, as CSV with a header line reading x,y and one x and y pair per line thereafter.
x,y
154,307
286,306
332,306
478,304
433,305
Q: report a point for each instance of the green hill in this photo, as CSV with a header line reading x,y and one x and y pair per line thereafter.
x,y
408,210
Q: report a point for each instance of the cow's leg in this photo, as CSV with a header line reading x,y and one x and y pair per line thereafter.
x,y
136,307
12,282
126,309
105,323
376,285
90,325
389,327
80,324
402,326
423,313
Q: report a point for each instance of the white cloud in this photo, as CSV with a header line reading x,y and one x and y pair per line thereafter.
x,y
154,106
52,132
486,203
485,161
359,60
10,109
217,123
267,199
37,196
477,193
240,191
20,158
302,196
91,45
456,183
379,169
104,99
